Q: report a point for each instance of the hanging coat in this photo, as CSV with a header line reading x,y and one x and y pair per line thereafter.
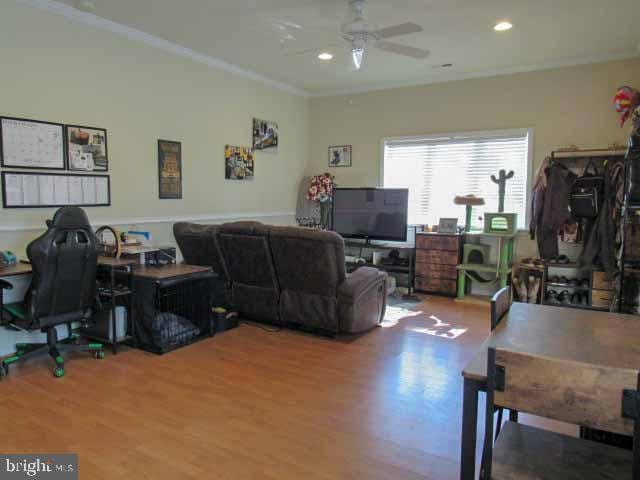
x,y
554,210
600,243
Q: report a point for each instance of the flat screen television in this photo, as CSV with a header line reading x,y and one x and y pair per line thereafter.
x,y
371,213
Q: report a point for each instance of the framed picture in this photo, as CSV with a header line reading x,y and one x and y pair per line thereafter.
x,y
169,169
31,144
448,225
238,163
265,135
87,149
340,156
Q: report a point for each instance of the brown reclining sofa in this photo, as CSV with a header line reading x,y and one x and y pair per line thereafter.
x,y
287,275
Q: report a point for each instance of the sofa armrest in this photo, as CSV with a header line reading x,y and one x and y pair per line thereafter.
x,y
362,300
358,282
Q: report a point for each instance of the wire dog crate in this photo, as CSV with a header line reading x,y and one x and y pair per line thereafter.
x,y
174,312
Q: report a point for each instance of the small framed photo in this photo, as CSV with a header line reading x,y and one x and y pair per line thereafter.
x,y
448,225
340,156
265,135
87,149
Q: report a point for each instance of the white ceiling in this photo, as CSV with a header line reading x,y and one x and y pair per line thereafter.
x,y
262,36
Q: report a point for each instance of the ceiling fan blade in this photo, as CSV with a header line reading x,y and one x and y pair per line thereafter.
x,y
400,29
405,50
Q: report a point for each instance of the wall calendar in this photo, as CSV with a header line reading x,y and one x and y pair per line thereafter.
x,y
31,144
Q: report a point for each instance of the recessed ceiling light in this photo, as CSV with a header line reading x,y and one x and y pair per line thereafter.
x,y
503,26
326,56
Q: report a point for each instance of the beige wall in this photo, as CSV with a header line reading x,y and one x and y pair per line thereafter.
x,y
58,70
563,106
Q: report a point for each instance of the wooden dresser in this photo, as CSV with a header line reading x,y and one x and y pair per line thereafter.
x,y
437,256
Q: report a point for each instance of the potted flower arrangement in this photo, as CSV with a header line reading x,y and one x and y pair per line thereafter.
x,y
321,191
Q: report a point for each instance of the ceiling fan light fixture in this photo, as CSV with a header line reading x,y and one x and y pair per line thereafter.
x,y
325,56
503,26
357,55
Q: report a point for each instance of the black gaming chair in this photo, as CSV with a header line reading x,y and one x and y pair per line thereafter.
x,y
63,287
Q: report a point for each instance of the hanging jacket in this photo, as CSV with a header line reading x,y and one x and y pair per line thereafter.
x,y
600,243
537,197
554,210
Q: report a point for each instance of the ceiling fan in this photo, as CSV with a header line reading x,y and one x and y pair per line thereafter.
x,y
362,35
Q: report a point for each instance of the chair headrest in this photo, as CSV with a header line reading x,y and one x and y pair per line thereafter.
x,y
70,217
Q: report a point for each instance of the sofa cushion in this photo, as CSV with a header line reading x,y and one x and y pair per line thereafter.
x,y
245,246
247,256
308,260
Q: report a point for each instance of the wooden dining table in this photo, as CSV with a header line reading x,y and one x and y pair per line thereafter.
x,y
595,337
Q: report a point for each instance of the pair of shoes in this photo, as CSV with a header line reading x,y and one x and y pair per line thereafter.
x,y
559,260
552,296
521,289
533,289
532,262
564,297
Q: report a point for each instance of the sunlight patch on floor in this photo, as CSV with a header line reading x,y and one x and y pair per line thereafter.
x,y
439,329
394,314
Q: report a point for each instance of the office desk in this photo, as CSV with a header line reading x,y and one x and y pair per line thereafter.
x,y
599,338
15,270
112,265
171,271
22,268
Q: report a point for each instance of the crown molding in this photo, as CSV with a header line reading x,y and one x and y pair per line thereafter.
x,y
214,217
134,34
572,62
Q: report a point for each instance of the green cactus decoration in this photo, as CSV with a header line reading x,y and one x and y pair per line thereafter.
x,y
501,181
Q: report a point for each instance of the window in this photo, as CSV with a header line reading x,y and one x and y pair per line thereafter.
x,y
437,168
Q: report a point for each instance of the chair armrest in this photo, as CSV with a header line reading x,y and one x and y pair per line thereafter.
x,y
4,285
359,282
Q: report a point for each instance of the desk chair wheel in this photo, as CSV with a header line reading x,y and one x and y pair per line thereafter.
x,y
98,354
58,372
4,369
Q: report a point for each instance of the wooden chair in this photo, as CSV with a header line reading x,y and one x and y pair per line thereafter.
x,y
500,305
582,394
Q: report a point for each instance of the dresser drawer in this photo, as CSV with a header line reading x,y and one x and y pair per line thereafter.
x,y
436,285
438,242
436,270
445,257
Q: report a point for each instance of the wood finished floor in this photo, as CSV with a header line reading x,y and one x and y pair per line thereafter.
x,y
249,404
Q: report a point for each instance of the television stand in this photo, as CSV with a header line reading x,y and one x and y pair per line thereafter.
x,y
396,270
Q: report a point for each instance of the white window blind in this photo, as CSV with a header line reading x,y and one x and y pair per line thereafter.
x,y
436,169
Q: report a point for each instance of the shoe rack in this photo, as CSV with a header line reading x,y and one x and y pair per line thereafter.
x,y
565,285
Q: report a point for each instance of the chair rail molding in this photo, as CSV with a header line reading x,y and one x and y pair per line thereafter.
x,y
200,217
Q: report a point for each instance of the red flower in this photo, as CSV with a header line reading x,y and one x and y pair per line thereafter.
x,y
321,187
